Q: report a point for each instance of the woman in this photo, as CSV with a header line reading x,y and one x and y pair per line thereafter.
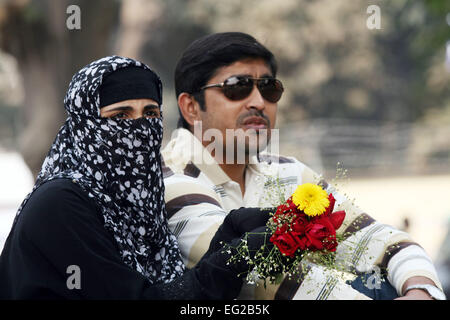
x,y
94,225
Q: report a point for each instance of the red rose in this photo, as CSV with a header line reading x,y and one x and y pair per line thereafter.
x,y
330,243
337,218
299,225
283,212
278,217
291,205
286,243
321,234
281,209
331,205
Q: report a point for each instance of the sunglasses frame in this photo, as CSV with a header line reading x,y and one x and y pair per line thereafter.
x,y
255,81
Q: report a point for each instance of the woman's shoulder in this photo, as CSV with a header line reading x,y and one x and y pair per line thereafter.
x,y
58,200
59,192
60,186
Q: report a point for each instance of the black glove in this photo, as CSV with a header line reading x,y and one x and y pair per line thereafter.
x,y
238,222
247,219
220,279
213,277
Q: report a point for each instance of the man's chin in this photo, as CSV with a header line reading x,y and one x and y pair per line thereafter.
x,y
248,150
255,128
242,144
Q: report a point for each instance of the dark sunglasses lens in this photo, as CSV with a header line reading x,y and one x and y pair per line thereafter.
x,y
271,89
236,88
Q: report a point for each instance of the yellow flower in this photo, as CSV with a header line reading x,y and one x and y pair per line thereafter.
x,y
311,199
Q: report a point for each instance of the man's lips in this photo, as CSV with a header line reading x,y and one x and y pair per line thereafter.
x,y
255,123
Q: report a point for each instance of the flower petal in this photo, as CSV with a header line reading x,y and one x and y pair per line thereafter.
x,y
337,218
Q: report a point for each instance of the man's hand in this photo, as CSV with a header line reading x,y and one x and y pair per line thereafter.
x,y
416,294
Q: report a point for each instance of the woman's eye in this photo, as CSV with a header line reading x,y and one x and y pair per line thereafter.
x,y
152,114
120,115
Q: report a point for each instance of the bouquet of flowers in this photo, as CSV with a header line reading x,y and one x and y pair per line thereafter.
x,y
302,227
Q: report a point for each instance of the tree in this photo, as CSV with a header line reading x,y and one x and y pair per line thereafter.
x,y
48,54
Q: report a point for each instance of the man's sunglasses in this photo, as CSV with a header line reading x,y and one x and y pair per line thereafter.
x,y
239,87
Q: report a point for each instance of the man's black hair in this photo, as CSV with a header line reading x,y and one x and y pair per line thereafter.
x,y
205,55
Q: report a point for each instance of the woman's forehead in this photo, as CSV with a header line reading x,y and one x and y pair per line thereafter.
x,y
133,103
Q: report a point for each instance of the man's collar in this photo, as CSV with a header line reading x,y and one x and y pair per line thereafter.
x,y
184,147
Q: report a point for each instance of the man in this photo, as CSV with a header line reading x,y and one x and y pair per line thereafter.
x,y
227,96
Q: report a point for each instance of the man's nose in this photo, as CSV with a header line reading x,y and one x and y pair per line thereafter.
x,y
255,100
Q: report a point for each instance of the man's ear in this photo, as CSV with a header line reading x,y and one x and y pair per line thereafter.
x,y
189,107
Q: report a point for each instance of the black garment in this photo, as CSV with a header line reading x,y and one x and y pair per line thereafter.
x,y
60,226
